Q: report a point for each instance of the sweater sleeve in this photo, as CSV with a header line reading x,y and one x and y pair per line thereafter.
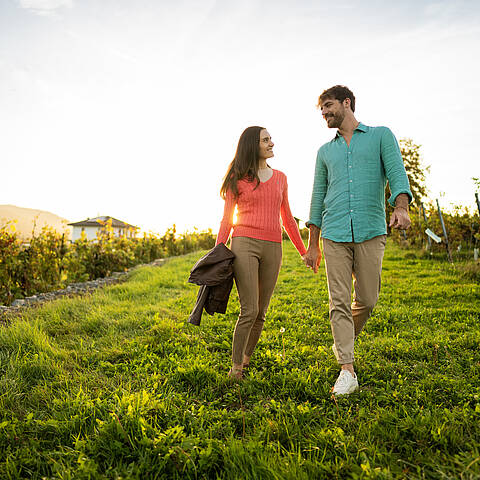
x,y
290,224
227,221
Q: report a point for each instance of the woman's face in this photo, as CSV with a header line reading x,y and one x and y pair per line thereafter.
x,y
266,145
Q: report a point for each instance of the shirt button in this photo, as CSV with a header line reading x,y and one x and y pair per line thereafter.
x,y
349,166
351,210
350,181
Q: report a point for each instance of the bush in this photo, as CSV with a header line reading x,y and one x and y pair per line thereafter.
x,y
50,262
463,230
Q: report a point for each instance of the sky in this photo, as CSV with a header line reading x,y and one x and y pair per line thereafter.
x,y
133,108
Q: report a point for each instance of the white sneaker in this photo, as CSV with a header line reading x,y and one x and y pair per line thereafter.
x,y
346,383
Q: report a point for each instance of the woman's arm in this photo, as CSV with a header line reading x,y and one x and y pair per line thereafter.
x,y
227,221
290,224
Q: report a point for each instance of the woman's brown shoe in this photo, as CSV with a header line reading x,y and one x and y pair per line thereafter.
x,y
235,374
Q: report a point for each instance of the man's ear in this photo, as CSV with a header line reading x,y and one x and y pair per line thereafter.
x,y
347,103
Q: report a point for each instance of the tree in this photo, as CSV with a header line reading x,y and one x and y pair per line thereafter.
x,y
476,183
412,160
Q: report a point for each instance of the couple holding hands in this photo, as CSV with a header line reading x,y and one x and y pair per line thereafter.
x,y
347,207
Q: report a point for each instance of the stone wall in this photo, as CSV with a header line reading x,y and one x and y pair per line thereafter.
x,y
73,289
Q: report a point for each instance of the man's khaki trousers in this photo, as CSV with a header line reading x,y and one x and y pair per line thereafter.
x,y
362,262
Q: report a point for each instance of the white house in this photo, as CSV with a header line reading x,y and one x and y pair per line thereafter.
x,y
92,226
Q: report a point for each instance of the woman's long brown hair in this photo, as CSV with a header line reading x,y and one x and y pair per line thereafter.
x,y
245,163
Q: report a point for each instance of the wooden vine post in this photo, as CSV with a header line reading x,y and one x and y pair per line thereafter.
x,y
444,232
475,250
429,240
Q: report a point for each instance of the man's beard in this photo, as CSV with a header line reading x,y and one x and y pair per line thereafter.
x,y
337,120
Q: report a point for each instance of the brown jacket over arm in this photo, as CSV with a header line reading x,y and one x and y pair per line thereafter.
x,y
214,272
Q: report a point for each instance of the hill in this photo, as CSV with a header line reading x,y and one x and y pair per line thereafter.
x,y
29,218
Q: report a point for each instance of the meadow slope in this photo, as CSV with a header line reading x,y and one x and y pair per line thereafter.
x,y
118,385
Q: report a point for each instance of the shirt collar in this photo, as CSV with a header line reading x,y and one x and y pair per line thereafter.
x,y
361,127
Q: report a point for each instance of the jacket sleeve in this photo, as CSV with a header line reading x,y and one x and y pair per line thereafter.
x,y
289,222
202,297
227,221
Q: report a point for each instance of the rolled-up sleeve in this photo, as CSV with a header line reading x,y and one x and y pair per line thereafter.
x,y
319,191
394,167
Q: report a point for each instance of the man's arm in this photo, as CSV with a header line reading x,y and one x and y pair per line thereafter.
x,y
397,178
313,256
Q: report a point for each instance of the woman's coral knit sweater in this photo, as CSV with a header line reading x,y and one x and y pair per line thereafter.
x,y
260,212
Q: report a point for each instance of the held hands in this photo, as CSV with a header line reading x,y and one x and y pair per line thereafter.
x,y
400,219
312,258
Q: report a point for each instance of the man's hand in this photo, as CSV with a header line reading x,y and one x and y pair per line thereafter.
x,y
400,219
313,257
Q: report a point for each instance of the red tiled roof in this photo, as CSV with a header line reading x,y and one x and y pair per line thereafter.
x,y
100,222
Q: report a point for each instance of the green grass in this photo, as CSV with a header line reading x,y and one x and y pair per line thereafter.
x,y
118,385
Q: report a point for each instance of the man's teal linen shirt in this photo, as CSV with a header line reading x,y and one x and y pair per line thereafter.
x,y
348,198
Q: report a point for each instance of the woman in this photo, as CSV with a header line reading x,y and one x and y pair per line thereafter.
x,y
260,195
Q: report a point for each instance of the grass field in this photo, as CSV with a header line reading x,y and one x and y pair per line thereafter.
x,y
118,385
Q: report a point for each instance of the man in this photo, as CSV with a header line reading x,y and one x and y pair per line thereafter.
x,y
348,207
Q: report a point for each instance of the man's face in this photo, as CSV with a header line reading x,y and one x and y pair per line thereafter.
x,y
333,111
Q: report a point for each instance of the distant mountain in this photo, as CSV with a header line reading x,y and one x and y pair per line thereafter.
x,y
29,218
